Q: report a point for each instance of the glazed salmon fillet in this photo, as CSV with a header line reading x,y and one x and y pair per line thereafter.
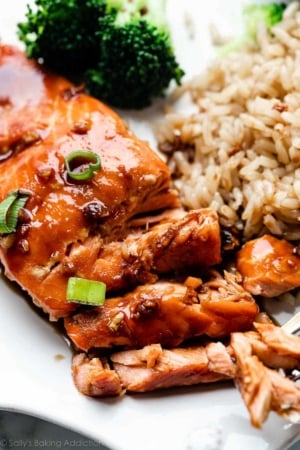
x,y
43,119
172,315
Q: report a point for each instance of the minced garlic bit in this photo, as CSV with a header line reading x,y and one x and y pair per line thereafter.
x,y
116,321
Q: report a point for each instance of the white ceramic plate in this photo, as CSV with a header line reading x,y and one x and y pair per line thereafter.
x,y
34,380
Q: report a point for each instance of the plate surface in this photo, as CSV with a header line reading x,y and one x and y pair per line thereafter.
x,y
35,375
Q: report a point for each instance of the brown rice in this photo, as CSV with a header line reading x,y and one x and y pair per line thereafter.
x,y
238,151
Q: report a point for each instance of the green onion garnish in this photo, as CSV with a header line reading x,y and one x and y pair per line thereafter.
x,y
88,292
82,164
10,208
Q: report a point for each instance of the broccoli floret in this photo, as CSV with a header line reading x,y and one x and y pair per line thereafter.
x,y
253,15
61,33
122,47
137,58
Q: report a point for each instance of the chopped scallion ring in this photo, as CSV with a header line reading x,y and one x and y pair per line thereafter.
x,y
87,292
10,208
82,164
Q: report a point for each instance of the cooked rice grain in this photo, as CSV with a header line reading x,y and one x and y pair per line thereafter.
x,y
239,151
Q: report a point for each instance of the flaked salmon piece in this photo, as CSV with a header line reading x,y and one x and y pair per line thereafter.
x,y
269,266
165,313
243,360
269,356
194,240
279,340
219,360
263,389
61,212
93,377
170,368
252,380
285,396
147,356
152,368
175,244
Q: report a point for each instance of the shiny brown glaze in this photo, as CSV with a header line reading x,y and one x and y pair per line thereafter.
x,y
269,266
175,244
164,312
62,213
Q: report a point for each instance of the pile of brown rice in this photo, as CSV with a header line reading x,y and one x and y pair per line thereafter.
x,y
239,151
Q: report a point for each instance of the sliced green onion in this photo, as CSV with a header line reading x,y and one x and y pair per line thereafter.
x,y
87,292
82,164
10,208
